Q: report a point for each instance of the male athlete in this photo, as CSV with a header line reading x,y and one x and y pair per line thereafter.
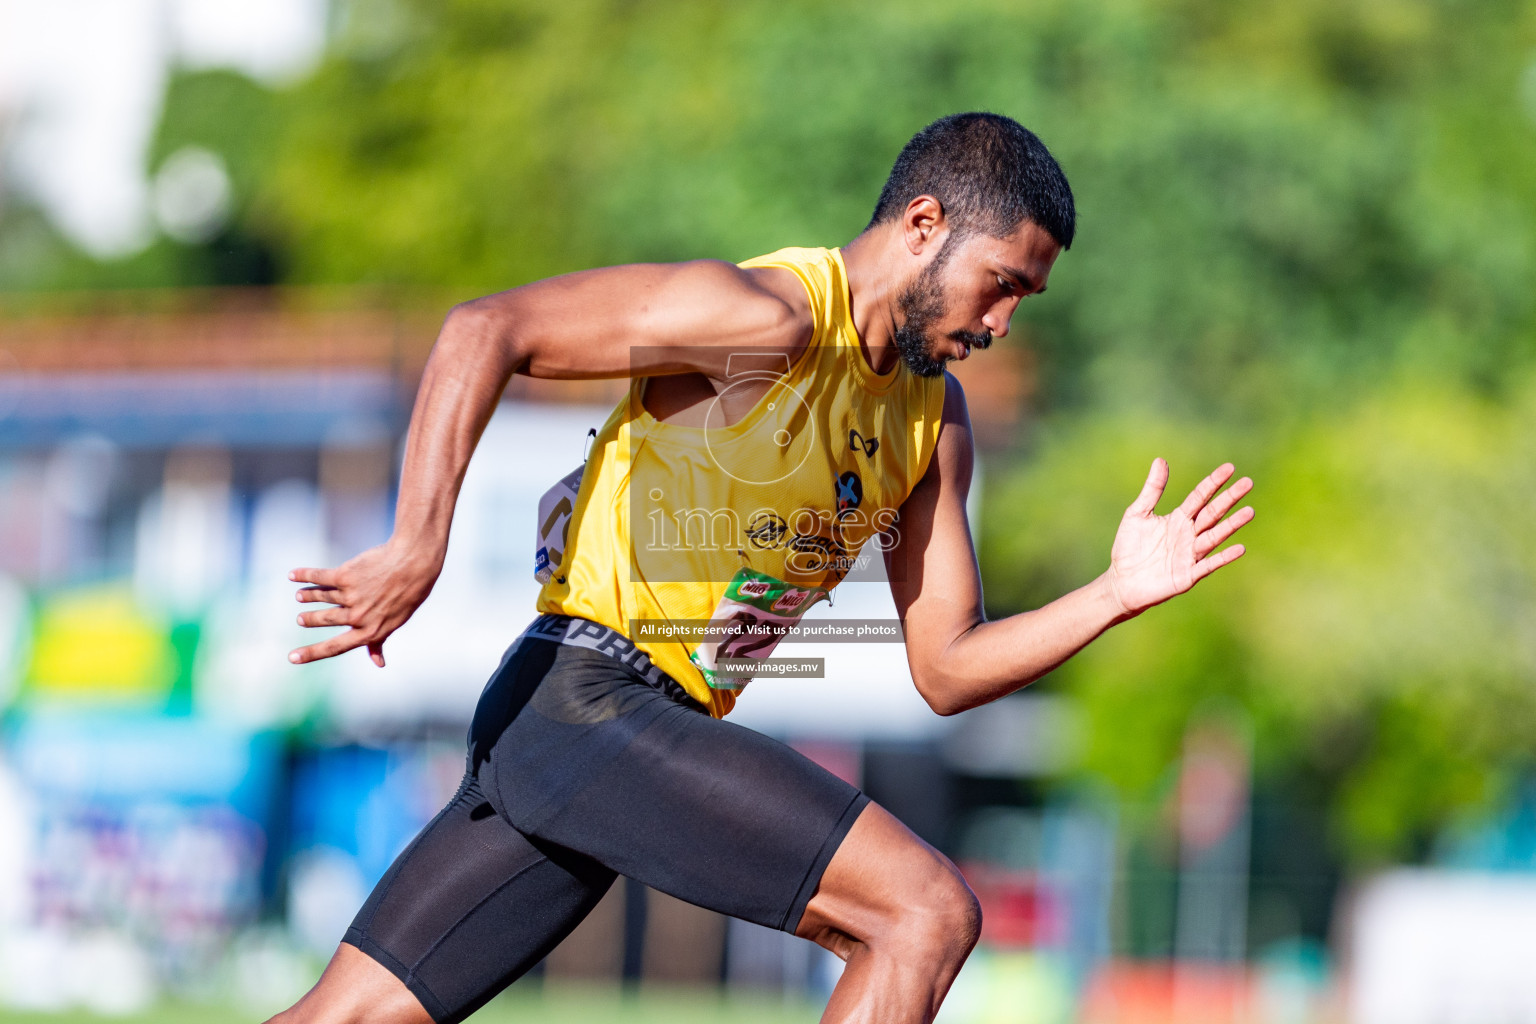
x,y
782,413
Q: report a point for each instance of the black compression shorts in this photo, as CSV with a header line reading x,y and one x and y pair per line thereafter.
x,y
582,767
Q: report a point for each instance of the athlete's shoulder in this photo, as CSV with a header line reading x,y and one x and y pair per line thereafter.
x,y
955,412
819,271
794,279
745,305
793,255
954,394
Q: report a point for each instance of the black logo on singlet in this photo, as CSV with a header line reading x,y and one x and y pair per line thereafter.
x,y
859,443
767,530
812,553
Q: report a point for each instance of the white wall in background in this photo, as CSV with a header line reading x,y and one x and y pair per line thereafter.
x,y
1444,947
243,672
16,833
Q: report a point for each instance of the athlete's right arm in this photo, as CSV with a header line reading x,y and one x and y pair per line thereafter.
x,y
631,321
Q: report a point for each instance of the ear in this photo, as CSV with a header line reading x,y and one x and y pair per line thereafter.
x,y
923,225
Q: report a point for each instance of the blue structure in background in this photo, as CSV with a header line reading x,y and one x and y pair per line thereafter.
x,y
365,802
163,410
1505,841
154,825
115,758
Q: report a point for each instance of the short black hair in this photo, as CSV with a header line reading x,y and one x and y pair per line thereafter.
x,y
988,172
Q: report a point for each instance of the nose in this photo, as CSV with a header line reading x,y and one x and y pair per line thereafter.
x,y
999,316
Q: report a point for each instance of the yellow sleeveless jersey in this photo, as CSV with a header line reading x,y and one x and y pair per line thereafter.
x,y
755,521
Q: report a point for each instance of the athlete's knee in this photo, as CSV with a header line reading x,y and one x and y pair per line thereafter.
x,y
940,919
385,1011
355,989
313,1012
958,914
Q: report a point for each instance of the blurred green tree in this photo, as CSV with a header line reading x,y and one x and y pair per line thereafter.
x,y
1265,198
1379,630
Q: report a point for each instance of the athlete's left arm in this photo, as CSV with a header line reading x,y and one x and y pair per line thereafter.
x,y
958,659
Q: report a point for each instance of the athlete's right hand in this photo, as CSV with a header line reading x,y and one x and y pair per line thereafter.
x,y
374,593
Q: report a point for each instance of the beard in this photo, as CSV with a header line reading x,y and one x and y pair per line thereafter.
x,y
922,306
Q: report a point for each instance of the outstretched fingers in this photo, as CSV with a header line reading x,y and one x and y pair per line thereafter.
x,y
1226,556
1152,490
1222,504
1201,495
325,588
326,617
330,647
1219,534
328,578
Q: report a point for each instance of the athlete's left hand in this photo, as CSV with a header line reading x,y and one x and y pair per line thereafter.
x,y
374,593
1157,557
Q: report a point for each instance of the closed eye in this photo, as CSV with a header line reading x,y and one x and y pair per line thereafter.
x,y
1012,278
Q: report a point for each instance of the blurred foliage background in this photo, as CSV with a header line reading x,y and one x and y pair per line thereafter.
x,y
1305,245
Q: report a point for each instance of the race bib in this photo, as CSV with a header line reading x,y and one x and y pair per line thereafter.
x,y
752,617
554,524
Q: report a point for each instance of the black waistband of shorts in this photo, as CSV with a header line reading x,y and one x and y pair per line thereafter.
x,y
574,631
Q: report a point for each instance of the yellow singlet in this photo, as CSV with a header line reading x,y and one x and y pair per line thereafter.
x,y
755,521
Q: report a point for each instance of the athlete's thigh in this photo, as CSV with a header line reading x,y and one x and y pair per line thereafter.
x,y
471,905
713,813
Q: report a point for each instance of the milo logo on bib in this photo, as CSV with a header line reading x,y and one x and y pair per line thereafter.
x,y
753,589
752,617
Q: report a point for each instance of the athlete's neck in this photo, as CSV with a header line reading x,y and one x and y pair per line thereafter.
x,y
877,268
